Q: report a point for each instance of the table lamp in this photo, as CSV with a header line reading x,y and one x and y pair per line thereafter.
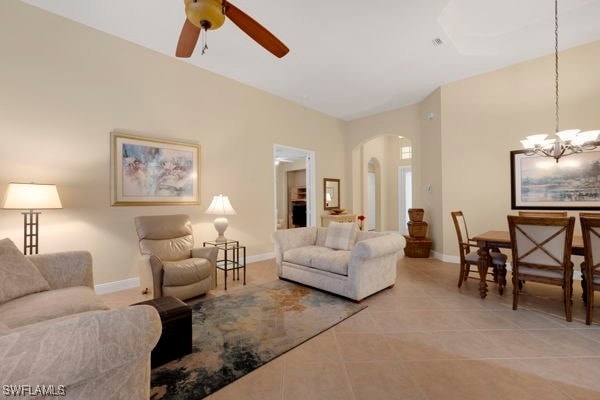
x,y
221,206
31,196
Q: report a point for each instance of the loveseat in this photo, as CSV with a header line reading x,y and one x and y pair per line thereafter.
x,y
366,266
62,338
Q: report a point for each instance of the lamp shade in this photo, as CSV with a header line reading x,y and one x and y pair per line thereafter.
x,y
220,205
31,196
328,197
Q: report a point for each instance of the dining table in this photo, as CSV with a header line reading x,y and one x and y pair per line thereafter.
x,y
501,240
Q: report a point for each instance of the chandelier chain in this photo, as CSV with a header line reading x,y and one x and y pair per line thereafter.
x,y
556,64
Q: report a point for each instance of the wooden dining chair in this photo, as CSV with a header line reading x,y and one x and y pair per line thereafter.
x,y
468,257
590,267
541,252
559,214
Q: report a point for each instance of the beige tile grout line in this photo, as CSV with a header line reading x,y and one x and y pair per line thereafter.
x,y
339,350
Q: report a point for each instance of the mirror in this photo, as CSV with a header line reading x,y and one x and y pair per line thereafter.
x,y
331,193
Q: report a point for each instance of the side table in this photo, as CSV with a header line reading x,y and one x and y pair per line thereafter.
x,y
231,258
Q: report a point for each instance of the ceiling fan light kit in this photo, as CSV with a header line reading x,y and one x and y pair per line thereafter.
x,y
210,14
206,14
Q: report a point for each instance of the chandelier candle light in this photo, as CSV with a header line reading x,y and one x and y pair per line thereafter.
x,y
221,206
568,142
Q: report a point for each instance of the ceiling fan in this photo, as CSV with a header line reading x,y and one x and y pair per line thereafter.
x,y
210,14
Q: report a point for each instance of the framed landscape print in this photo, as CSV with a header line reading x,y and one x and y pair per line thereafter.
x,y
148,171
541,183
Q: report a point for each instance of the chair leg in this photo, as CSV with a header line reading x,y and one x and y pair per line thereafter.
x,y
515,292
461,276
501,279
589,306
583,288
567,300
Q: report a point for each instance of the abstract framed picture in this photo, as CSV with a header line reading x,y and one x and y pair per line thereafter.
x,y
148,171
541,183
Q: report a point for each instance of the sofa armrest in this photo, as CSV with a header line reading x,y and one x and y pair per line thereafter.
x,y
378,246
74,350
286,239
65,269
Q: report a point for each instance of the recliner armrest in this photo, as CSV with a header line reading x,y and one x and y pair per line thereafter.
x,y
209,253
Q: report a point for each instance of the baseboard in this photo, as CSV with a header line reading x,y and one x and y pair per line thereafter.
x,y
110,287
259,257
456,260
445,257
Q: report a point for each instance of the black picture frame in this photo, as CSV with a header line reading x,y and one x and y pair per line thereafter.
x,y
572,183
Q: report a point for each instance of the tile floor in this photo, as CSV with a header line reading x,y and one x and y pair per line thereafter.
x,y
426,339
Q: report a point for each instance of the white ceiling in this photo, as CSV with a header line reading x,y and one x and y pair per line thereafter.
x,y
352,58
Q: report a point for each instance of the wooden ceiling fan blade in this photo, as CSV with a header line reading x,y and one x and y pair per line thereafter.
x,y
255,30
187,39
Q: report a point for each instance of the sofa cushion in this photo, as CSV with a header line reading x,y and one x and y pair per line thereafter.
x,y
341,235
322,258
184,272
4,329
50,304
304,255
335,261
18,275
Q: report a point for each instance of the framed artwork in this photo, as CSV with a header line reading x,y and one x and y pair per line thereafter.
x,y
541,183
148,171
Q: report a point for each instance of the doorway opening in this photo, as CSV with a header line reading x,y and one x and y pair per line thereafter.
x,y
294,191
404,197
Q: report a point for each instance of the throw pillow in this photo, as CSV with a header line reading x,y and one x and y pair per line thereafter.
x,y
341,235
18,275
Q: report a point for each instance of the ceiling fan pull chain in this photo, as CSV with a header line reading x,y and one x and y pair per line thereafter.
x,y
204,45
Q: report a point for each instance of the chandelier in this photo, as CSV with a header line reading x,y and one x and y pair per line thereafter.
x,y
568,142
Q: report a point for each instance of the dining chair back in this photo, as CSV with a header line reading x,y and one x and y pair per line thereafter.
x,y
541,252
560,214
590,267
468,257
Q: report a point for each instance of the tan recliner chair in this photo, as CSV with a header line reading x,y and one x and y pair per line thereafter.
x,y
171,266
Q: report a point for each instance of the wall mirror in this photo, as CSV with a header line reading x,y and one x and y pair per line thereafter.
x,y
331,193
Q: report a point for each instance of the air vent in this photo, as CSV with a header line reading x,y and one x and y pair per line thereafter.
x,y
437,42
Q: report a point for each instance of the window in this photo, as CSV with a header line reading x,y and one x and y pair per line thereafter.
x,y
406,152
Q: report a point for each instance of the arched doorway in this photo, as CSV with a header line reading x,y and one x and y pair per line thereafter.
x,y
382,181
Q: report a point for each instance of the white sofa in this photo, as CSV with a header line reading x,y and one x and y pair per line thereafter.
x,y
65,335
370,266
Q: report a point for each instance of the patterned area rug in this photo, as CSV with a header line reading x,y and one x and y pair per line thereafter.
x,y
236,333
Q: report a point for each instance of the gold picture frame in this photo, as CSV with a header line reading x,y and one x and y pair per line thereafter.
x,y
149,171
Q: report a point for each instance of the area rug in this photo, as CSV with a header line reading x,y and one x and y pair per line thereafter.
x,y
238,332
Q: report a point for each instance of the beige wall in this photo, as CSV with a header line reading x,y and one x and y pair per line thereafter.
x,y
430,168
65,87
483,119
385,126
463,151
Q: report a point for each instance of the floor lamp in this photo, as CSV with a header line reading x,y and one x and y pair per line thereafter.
x,y
31,196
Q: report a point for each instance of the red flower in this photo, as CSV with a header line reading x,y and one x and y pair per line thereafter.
x,y
361,218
